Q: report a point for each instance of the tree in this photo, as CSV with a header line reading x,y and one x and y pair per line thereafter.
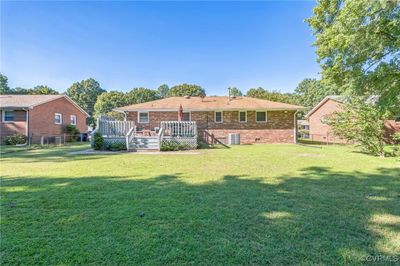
x,y
186,90
107,101
274,96
235,91
363,123
141,95
19,91
85,93
358,47
4,88
310,92
162,91
40,89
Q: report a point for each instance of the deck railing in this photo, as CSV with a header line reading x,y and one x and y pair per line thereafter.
x,y
179,128
113,128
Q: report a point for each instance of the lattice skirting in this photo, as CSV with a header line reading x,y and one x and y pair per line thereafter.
x,y
190,141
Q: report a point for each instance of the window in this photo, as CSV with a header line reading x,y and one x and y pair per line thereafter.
x,y
57,119
8,116
242,116
261,116
218,117
143,117
73,120
186,116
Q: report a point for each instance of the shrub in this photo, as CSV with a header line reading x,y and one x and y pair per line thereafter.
x,y
396,138
72,131
173,145
116,146
98,141
15,139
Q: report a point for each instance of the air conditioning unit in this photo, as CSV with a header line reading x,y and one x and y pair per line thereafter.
x,y
234,139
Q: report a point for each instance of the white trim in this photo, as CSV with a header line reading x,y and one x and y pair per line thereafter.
x,y
61,119
266,117
245,121
222,117
148,117
3,115
190,115
75,120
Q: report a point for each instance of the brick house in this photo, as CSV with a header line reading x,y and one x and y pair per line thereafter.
x,y
256,120
319,129
39,115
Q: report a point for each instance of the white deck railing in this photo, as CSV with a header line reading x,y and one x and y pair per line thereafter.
x,y
179,128
113,128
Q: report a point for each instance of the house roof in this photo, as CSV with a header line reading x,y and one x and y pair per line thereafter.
x,y
30,101
209,104
337,98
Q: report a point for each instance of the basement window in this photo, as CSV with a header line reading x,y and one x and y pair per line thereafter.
x,y
143,117
8,116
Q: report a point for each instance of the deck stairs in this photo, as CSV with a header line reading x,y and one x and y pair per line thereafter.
x,y
139,143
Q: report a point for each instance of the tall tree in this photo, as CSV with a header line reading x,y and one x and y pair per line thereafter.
x,y
235,91
41,89
162,91
358,47
85,93
141,95
310,92
274,96
107,101
20,91
186,90
4,88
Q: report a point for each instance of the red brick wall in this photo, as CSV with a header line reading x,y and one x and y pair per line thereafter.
x,y
16,127
391,127
41,117
318,130
279,127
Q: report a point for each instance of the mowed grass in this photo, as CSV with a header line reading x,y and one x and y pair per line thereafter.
x,y
260,204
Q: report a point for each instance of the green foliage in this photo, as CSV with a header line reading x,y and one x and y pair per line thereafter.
x,y
162,91
310,92
41,89
107,101
85,93
396,137
362,123
72,131
4,88
358,47
15,139
98,141
186,90
116,146
235,91
172,145
141,95
274,96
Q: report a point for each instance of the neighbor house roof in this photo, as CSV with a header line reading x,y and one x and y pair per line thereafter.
x,y
209,104
337,98
30,101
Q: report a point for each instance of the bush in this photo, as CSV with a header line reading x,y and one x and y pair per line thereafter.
x,y
98,141
116,146
396,138
72,131
174,146
15,139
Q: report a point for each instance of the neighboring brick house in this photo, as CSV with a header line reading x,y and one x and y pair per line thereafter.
x,y
256,120
318,119
39,115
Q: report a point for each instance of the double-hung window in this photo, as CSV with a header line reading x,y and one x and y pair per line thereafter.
x,y
218,117
73,120
8,116
186,116
242,116
261,117
143,117
57,119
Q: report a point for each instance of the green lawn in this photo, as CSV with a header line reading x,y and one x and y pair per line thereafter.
x,y
260,204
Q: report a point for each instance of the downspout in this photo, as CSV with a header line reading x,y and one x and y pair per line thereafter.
x,y
295,126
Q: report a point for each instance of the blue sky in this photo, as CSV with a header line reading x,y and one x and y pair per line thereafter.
x,y
145,44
